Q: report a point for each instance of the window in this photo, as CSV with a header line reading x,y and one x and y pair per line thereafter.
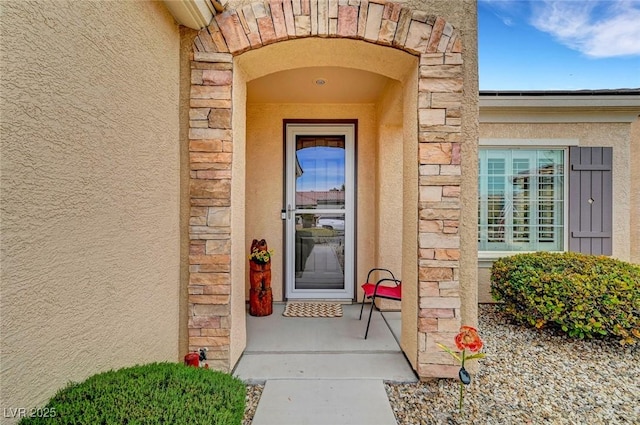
x,y
521,206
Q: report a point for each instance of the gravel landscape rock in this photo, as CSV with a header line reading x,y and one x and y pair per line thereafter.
x,y
253,396
531,376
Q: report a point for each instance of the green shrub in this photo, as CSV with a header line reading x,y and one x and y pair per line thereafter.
x,y
158,393
582,295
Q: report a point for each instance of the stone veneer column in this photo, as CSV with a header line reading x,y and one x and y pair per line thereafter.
x,y
252,26
210,154
440,139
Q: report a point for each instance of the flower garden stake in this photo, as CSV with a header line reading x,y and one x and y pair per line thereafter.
x,y
467,339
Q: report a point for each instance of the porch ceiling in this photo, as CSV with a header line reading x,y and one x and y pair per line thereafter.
x,y
341,85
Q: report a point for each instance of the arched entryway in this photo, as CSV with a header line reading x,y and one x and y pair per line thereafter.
x,y
416,119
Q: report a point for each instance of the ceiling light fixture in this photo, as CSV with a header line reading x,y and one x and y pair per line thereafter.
x,y
320,81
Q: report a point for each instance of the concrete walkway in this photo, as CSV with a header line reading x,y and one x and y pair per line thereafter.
x,y
324,402
323,371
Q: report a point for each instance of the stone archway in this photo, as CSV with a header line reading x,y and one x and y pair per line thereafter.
x,y
436,294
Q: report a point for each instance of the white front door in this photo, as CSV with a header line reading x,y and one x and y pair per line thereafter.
x,y
319,211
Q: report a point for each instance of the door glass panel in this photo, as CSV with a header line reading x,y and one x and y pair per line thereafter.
x,y
319,237
319,250
320,172
319,211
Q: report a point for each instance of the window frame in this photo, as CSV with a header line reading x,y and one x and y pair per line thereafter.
x,y
531,144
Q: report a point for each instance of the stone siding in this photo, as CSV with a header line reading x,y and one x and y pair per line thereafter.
x,y
438,45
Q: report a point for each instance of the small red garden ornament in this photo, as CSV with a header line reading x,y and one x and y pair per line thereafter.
x,y
196,359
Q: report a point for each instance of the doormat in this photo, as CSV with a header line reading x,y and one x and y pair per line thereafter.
x,y
313,310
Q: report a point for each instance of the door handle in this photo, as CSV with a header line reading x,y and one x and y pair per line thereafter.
x,y
289,210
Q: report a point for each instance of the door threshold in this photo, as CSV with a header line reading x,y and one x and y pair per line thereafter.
x,y
319,300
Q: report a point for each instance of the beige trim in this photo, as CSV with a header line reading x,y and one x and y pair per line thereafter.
x,y
556,115
559,109
195,14
528,143
623,102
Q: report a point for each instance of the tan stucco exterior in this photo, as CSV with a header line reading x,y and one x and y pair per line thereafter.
x,y
618,135
99,265
381,170
90,192
265,153
238,217
410,340
265,162
635,191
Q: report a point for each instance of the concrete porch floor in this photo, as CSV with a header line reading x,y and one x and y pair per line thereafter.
x,y
281,347
320,371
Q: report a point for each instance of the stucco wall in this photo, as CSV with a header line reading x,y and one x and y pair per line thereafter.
x,y
238,340
410,299
90,192
390,176
635,191
616,135
264,149
265,161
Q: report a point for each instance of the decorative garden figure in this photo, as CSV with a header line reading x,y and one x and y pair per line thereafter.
x,y
260,297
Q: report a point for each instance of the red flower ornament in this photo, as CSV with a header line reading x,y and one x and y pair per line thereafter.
x,y
468,339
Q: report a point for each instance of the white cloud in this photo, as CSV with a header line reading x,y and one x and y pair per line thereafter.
x,y
507,11
596,28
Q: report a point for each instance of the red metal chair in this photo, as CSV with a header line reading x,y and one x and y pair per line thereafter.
x,y
376,290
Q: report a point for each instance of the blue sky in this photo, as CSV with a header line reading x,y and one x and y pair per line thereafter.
x,y
559,44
